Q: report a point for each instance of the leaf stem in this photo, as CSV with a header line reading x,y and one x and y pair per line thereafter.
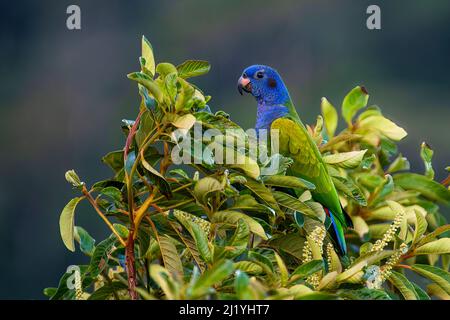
x,y
175,190
100,213
129,249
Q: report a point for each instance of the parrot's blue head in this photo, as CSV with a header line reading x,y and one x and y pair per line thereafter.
x,y
265,84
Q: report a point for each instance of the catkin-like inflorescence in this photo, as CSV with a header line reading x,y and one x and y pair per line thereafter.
x,y
204,225
317,236
306,254
78,287
330,250
386,270
390,233
376,275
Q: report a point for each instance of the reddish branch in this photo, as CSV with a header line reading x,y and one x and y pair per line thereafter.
x,y
129,249
131,134
131,267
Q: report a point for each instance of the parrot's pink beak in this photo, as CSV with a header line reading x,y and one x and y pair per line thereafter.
x,y
244,84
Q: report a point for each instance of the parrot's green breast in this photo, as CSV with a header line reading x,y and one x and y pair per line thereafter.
x,y
296,143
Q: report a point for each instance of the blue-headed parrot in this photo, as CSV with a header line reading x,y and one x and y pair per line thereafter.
x,y
275,110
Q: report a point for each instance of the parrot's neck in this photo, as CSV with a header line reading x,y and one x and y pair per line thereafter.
x,y
266,114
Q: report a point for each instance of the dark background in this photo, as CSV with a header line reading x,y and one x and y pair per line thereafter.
x,y
63,93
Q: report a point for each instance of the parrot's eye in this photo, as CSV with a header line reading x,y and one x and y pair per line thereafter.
x,y
259,75
244,75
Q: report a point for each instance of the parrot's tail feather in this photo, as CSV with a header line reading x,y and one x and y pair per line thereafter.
x,y
348,220
337,234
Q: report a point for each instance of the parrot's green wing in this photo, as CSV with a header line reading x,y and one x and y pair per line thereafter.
x,y
296,143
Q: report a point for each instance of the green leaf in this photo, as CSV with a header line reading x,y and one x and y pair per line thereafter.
x,y
435,274
248,267
307,269
291,243
330,117
219,122
98,186
218,272
353,102
367,162
121,230
193,68
67,222
243,163
427,187
49,292
186,121
165,281
383,190
147,102
356,267
426,153
184,97
383,126
370,111
148,83
263,261
441,246
350,189
170,82
238,243
399,164
201,240
436,291
170,255
433,235
113,193
190,244
246,202
129,162
232,217
199,235
421,294
317,296
157,178
242,286
204,187
360,226
420,226
292,203
288,182
282,269
343,137
372,257
165,68
101,255
263,193
107,291
363,294
146,125
87,243
403,285
147,54
346,160
114,160
299,219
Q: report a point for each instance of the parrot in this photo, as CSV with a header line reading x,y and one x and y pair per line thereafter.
x,y
275,110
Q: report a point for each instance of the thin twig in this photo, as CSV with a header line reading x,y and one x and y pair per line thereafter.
x,y
100,213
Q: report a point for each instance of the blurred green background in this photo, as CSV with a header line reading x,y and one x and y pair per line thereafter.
x,y
63,93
